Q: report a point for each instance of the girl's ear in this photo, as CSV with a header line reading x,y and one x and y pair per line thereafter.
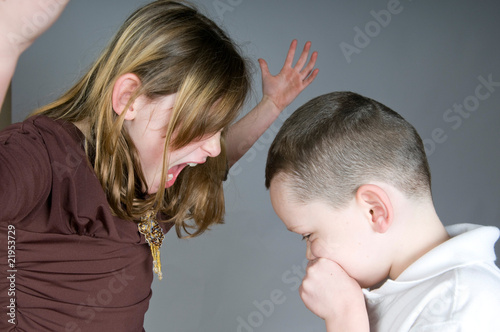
x,y
376,206
123,90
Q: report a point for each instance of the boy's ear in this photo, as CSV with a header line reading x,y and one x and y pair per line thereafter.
x,y
123,90
376,206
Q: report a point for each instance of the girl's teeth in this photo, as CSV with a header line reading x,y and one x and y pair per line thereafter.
x,y
170,177
192,164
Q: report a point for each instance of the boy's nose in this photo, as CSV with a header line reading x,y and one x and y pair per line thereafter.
x,y
309,254
212,145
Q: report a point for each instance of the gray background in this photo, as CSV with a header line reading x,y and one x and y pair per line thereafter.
x,y
424,61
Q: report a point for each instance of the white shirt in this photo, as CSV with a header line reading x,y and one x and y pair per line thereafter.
x,y
454,287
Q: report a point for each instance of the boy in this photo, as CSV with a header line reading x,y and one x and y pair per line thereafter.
x,y
351,176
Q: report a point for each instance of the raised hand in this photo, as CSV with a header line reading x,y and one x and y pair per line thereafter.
x,y
278,92
283,88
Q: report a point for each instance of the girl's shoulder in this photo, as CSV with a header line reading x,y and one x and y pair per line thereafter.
x,y
41,129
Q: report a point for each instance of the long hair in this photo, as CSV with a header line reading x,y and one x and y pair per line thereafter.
x,y
172,48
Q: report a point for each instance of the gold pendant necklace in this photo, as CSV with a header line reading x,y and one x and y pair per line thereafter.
x,y
154,237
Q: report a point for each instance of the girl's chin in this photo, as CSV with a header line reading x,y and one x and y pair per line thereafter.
x,y
153,189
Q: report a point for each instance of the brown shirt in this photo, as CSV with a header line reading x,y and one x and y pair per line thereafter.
x,y
72,265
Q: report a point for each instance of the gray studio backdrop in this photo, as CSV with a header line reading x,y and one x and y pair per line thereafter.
x,y
435,62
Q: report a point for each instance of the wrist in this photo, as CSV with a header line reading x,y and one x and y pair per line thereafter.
x,y
347,326
8,63
7,67
270,106
352,316
349,321
11,47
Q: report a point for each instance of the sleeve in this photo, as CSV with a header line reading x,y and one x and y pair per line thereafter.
x,y
25,172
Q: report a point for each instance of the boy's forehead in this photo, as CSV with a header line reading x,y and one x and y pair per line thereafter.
x,y
279,189
285,204
281,199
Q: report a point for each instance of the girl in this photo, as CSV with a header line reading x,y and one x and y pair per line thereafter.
x,y
92,181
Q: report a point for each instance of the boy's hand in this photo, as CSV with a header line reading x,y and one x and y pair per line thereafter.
x,y
283,88
330,293
22,21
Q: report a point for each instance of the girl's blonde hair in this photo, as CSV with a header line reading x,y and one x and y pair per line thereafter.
x,y
172,48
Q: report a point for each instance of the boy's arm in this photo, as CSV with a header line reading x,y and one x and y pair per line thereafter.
x,y
20,25
278,92
330,293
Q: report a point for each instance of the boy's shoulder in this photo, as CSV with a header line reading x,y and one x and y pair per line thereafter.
x,y
456,285
484,274
465,298
479,282
476,297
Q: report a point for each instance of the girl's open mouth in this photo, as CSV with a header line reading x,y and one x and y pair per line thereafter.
x,y
174,172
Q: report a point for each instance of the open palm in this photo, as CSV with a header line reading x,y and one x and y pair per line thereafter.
x,y
283,88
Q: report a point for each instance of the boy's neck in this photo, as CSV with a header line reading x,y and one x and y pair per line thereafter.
x,y
420,230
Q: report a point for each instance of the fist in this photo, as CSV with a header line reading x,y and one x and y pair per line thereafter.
x,y
329,292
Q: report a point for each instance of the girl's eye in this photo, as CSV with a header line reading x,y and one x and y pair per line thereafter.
x,y
305,237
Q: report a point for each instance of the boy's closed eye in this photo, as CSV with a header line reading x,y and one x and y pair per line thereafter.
x,y
306,237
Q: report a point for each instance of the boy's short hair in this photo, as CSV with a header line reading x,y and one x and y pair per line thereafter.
x,y
339,141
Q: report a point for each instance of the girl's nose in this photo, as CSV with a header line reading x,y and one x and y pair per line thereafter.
x,y
212,145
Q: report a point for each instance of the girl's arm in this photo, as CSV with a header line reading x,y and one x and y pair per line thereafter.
x,y
21,22
7,67
278,92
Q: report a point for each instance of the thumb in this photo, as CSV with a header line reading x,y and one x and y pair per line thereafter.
x,y
264,68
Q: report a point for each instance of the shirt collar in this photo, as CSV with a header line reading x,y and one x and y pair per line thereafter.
x,y
468,244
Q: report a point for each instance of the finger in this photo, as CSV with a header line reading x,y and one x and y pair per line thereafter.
x,y
303,57
264,68
312,62
291,53
309,79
